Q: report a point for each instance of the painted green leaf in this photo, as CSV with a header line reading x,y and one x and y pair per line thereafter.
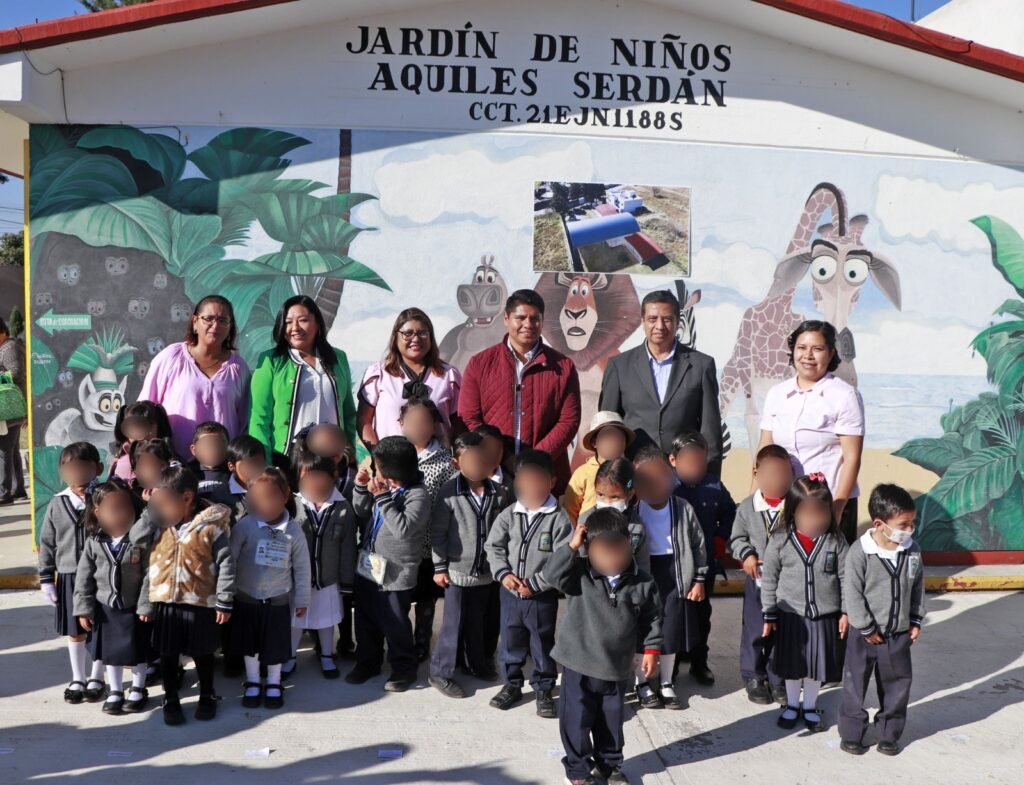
x,y
191,238
952,420
1007,517
327,233
254,341
45,140
223,164
280,290
936,455
243,294
356,271
1011,308
140,222
262,142
158,151
46,482
1007,249
282,215
987,339
340,204
44,366
1006,364
72,179
971,483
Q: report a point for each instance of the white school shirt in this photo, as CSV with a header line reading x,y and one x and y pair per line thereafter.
x,y
280,527
868,544
314,400
549,506
334,497
658,524
76,501
235,488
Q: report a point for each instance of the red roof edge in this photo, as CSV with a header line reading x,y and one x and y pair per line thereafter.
x,y
906,34
119,20
832,12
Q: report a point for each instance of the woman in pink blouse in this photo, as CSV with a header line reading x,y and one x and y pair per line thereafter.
x,y
203,377
819,419
412,367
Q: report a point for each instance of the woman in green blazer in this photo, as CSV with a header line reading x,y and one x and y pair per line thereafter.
x,y
302,381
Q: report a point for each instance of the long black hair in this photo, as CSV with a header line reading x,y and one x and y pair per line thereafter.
x,y
149,411
810,487
323,348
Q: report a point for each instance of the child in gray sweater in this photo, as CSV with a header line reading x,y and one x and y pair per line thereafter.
x,y
611,605
884,597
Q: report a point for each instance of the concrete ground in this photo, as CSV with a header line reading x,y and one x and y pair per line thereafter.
x,y
964,725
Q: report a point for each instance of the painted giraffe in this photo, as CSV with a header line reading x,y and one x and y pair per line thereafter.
x,y
839,265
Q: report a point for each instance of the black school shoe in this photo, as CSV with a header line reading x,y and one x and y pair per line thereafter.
x,y
115,706
93,695
758,692
546,705
134,705
206,710
611,775
852,747
702,674
648,697
252,701
361,674
785,722
74,696
889,747
400,682
447,687
507,698
173,715
814,726
270,700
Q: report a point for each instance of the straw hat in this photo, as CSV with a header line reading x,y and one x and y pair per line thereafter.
x,y
602,419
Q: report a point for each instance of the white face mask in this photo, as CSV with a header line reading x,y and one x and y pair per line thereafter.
x,y
619,505
897,536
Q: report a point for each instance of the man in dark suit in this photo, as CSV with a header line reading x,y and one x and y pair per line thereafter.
x,y
662,388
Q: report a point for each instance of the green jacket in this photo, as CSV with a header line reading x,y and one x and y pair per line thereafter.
x,y
273,399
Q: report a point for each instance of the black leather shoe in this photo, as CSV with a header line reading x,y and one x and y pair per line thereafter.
x,y
814,726
206,710
361,674
507,698
95,694
72,695
889,747
852,747
252,701
546,705
785,722
134,705
702,674
115,706
273,696
648,697
400,682
613,776
757,692
779,695
447,687
173,715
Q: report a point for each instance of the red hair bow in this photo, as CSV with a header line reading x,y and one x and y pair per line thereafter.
x,y
816,477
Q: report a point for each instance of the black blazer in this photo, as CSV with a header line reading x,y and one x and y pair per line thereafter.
x,y
691,399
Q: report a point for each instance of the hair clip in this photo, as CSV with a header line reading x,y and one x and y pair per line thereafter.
x,y
303,432
816,477
94,483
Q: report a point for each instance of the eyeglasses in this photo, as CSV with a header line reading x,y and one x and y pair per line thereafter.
x,y
222,321
408,335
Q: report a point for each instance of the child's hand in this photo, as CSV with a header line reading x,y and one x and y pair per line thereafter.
x,y
579,536
512,583
750,567
300,612
649,665
85,622
377,486
147,494
768,629
363,476
49,592
875,638
696,593
844,625
915,633
145,619
223,618
442,579
525,590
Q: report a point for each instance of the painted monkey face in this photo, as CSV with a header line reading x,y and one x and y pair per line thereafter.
x,y
44,298
96,307
116,265
66,378
69,274
180,312
138,307
154,346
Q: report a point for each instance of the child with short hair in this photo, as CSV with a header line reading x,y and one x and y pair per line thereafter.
x,y
149,458
802,599
884,597
329,440
396,508
463,514
136,422
330,526
272,582
615,488
715,510
61,542
519,548
107,585
188,590
246,459
608,439
494,443
210,454
421,422
610,606
757,518
678,560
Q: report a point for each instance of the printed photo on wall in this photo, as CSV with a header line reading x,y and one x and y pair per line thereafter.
x,y
611,228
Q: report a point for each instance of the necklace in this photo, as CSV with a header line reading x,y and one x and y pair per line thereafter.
x,y
205,369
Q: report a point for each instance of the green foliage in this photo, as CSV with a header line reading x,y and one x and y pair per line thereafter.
x,y
978,502
16,323
12,248
107,5
44,367
107,349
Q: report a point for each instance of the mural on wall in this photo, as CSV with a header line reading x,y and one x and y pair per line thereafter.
x,y
130,227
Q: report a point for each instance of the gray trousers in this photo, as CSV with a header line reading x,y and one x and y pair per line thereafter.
x,y
890,664
12,477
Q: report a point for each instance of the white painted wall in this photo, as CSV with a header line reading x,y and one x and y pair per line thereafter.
x,y
995,23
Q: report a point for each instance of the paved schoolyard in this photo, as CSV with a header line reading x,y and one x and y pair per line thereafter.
x,y
965,722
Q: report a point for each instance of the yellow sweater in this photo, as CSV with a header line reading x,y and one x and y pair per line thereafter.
x,y
580,494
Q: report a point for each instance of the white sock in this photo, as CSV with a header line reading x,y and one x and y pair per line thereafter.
x,y
115,678
97,671
667,663
793,692
252,675
76,652
274,675
326,636
296,637
811,688
139,676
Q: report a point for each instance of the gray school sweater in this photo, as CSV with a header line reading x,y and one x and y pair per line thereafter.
x,y
689,554
881,595
522,546
598,634
400,536
750,530
61,539
795,582
637,539
109,577
459,527
331,541
263,582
